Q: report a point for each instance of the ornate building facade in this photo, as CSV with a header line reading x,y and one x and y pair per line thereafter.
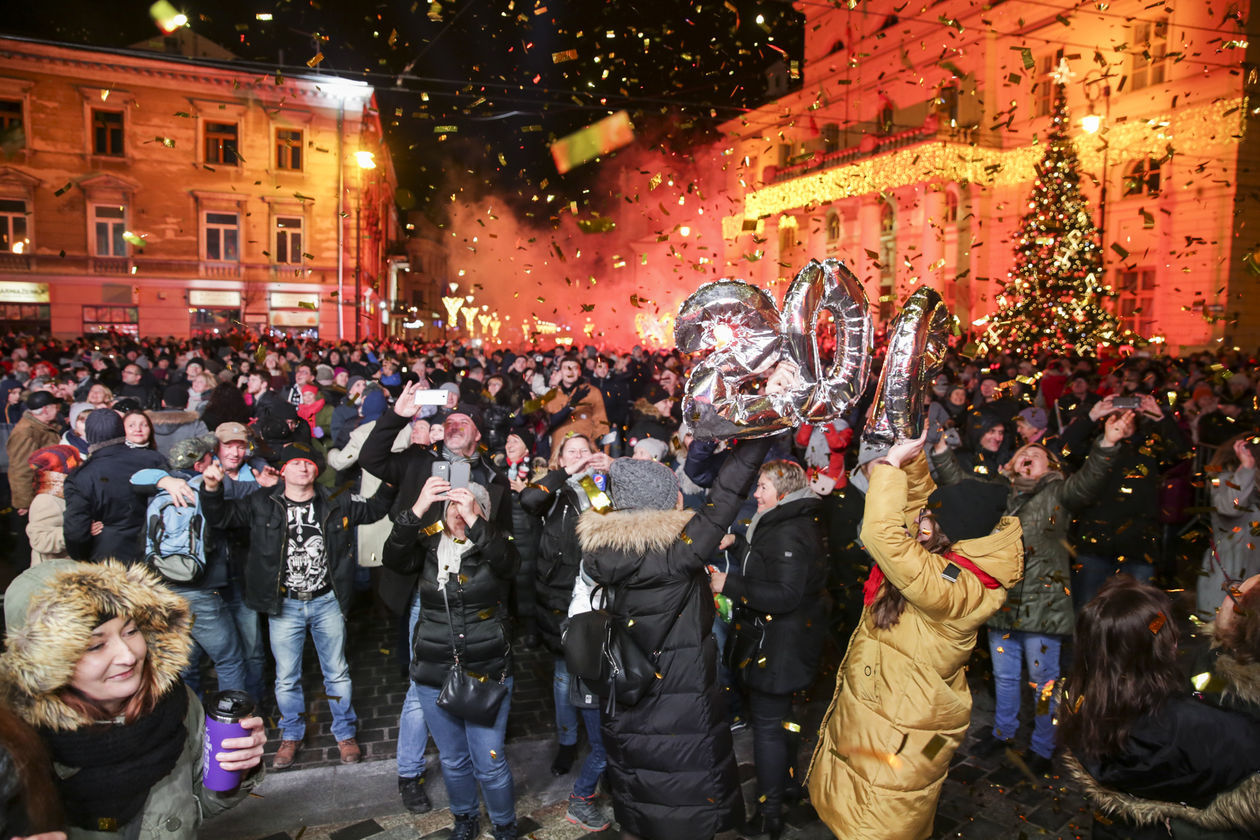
x,y
155,194
911,148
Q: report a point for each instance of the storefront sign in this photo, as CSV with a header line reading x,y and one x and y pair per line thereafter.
x,y
298,318
295,300
231,300
23,293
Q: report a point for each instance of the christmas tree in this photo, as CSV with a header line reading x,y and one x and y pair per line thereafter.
x,y
1053,298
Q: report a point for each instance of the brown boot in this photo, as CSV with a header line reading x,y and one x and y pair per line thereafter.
x,y
350,752
286,755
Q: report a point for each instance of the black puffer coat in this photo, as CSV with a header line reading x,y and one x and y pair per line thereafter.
x,y
100,490
671,766
478,599
782,589
559,555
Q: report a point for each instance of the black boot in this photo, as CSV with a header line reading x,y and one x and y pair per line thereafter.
x,y
467,827
768,820
415,798
505,832
564,759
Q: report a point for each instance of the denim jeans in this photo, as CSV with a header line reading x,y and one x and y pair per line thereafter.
x,y
288,636
412,732
597,759
471,753
214,631
1094,570
1041,652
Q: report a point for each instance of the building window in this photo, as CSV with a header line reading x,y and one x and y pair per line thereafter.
x,y
887,261
831,137
951,207
108,223
289,149
1142,177
223,237
221,143
1150,46
10,115
107,132
1136,303
833,227
1043,83
289,240
13,226
105,319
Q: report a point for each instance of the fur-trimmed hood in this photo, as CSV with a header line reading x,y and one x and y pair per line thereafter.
x,y
50,613
171,417
1234,809
631,531
1242,682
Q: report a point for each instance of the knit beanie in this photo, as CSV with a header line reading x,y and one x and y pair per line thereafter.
x,y
526,436
642,485
103,426
374,405
653,448
969,509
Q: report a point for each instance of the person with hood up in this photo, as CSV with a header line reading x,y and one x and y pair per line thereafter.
x,y
671,765
173,423
780,622
92,662
104,517
1153,760
944,560
574,406
985,447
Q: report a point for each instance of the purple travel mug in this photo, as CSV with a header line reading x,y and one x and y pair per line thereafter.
x,y
224,712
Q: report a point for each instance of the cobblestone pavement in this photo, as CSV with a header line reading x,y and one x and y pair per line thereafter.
x,y
985,796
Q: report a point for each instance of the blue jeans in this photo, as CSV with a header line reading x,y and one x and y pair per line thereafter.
x,y
412,732
1094,570
288,636
1010,649
470,754
597,760
228,631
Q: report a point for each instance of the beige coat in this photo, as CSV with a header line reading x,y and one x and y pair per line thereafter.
x,y
372,535
901,705
48,541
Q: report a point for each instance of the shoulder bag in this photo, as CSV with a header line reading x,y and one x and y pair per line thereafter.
x,y
473,697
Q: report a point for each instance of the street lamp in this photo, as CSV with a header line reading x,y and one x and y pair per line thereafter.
x,y
365,160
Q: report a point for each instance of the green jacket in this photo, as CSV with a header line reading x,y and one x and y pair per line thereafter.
x,y
1042,601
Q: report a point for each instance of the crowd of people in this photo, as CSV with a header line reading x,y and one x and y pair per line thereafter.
x,y
193,503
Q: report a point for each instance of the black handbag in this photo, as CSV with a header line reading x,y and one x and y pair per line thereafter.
x,y
743,646
474,697
599,651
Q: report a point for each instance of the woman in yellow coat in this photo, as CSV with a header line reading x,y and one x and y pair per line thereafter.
x,y
945,560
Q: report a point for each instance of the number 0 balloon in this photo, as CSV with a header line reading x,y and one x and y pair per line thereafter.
x,y
917,341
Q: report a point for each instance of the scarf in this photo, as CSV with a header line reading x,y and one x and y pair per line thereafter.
x,y
1023,485
448,455
118,764
450,554
871,588
51,482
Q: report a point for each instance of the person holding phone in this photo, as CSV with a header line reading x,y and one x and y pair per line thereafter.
x,y
1120,531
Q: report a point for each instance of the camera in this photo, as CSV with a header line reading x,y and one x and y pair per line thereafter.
x,y
1126,403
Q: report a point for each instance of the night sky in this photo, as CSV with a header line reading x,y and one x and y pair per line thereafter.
x,y
476,90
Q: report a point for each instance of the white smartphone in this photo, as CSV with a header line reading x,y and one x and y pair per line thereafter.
x,y
435,397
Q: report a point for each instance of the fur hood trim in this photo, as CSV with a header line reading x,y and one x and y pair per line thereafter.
x,y
649,409
1241,681
42,651
631,531
172,417
1234,809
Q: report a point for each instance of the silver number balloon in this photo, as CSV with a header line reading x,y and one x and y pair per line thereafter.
x,y
828,286
749,336
917,341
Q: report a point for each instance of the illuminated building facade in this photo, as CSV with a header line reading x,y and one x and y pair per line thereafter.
x,y
157,194
909,153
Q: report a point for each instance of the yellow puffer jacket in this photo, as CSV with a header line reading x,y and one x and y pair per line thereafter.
x,y
901,705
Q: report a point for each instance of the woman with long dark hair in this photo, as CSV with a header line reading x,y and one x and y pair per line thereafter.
x,y
226,404
944,560
1153,760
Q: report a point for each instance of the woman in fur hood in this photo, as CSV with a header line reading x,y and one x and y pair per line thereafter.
x,y
1154,761
93,659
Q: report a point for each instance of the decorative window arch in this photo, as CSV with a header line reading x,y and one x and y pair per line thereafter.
x,y
835,226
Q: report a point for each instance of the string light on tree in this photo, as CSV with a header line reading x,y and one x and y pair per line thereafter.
x,y
1054,297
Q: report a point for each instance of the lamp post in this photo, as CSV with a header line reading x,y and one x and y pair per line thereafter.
x,y
1092,123
365,160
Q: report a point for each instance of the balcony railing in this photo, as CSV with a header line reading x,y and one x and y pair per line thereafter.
x,y
870,146
140,266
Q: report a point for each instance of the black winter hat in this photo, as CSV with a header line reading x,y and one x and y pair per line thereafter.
x,y
102,426
527,438
969,509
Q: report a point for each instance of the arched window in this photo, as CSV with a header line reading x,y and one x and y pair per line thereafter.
x,y
1142,177
833,226
951,207
887,260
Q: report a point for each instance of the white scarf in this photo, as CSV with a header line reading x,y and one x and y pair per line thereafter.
x,y
450,553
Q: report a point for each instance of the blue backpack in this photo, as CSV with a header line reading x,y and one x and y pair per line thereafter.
x,y
175,539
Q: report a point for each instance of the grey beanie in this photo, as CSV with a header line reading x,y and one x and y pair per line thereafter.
x,y
653,448
482,495
642,485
